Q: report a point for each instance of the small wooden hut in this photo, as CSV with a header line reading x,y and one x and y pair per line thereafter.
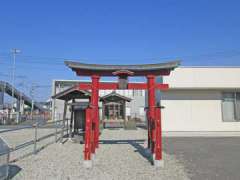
x,y
77,101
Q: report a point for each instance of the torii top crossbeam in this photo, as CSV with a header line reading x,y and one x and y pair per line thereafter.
x,y
159,69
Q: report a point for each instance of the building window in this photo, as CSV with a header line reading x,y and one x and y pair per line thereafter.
x,y
231,106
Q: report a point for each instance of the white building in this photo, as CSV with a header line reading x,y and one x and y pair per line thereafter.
x,y
201,100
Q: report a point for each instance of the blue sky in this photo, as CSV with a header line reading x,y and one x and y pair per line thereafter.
x,y
114,32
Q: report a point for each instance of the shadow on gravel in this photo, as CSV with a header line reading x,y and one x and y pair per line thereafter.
x,y
136,143
113,128
140,141
13,171
142,151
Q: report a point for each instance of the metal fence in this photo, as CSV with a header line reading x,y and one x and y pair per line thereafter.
x,y
57,130
16,118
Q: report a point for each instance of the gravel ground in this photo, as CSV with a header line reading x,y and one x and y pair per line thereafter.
x,y
121,156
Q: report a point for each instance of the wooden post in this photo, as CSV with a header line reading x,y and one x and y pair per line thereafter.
x,y
35,139
103,110
71,120
67,128
88,134
151,111
95,110
63,122
56,130
158,146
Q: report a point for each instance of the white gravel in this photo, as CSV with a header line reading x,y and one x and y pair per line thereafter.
x,y
115,159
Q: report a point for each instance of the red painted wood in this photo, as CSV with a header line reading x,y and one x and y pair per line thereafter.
x,y
158,145
114,86
88,131
108,86
162,87
94,105
137,86
85,86
151,109
97,134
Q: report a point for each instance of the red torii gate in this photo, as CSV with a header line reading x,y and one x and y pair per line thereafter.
x,y
150,71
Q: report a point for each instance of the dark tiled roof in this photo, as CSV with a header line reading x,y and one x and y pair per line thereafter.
x,y
110,69
71,93
114,94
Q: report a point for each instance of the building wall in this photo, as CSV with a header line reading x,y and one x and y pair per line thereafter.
x,y
204,77
194,110
194,101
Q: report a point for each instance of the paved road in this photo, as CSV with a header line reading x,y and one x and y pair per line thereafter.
x,y
207,158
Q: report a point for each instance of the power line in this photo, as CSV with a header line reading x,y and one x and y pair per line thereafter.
x,y
19,76
38,62
31,66
209,54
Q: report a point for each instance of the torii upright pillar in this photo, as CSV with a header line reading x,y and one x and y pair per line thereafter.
x,y
154,123
92,124
151,111
95,111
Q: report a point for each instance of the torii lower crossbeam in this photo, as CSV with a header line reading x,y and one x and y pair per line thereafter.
x,y
114,86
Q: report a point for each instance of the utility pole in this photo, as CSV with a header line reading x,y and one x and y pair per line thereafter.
x,y
14,53
22,85
32,96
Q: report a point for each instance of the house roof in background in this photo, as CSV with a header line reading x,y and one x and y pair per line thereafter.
x,y
72,93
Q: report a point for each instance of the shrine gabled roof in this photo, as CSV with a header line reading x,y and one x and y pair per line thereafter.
x,y
72,93
108,70
114,94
